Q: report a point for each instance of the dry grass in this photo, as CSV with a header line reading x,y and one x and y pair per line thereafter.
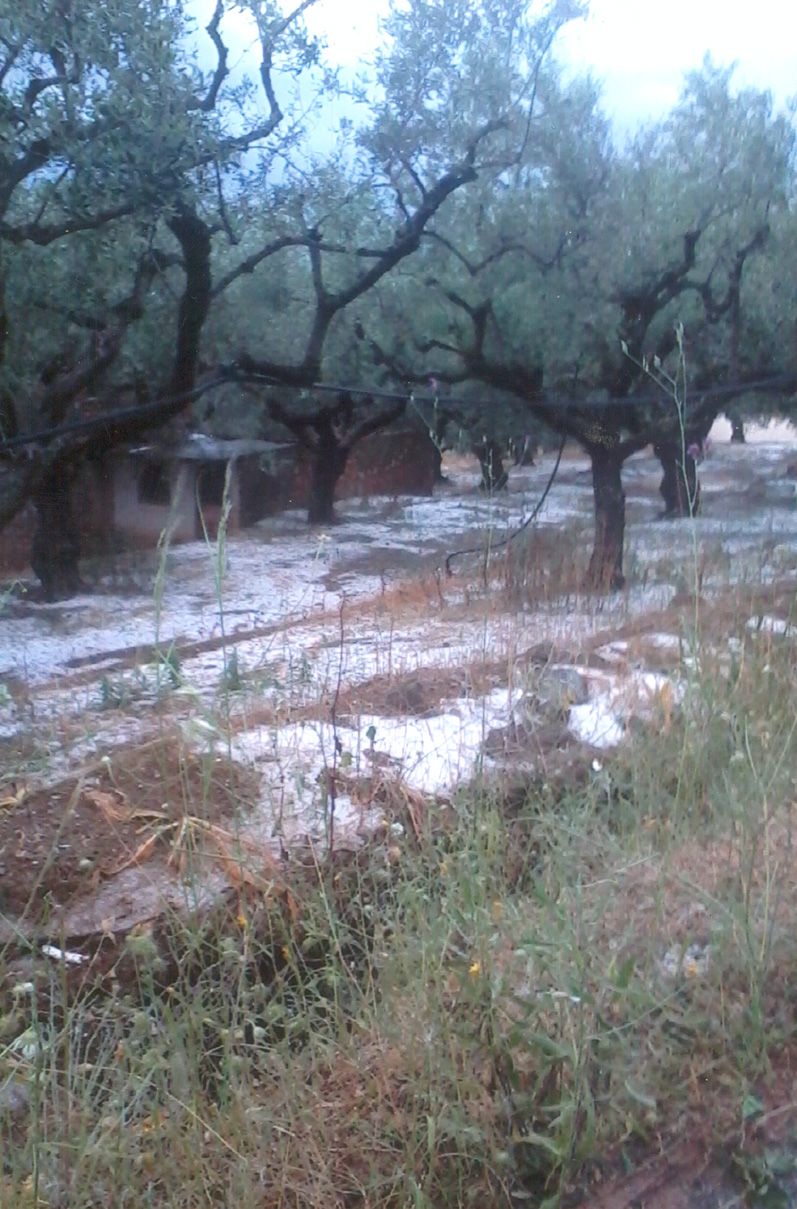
x,y
473,1009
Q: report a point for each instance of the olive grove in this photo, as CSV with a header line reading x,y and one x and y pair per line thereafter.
x,y
568,285
167,231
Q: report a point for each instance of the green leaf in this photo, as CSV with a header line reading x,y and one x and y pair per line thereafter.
x,y
751,1107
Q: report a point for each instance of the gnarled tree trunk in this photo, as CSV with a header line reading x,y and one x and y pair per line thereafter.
x,y
494,477
55,549
605,571
330,435
679,488
329,462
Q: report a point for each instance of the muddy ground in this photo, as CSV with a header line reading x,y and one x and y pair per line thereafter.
x,y
258,686
234,704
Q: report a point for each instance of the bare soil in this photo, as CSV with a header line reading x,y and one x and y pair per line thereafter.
x,y
59,844
757,1166
64,844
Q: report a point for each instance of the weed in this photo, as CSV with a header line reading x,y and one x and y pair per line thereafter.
x,y
232,676
121,692
767,1177
474,1005
172,664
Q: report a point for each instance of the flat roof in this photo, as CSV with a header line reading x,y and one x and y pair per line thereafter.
x,y
202,448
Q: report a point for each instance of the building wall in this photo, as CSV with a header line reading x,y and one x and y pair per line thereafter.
x,y
210,480
141,524
111,515
396,461
265,485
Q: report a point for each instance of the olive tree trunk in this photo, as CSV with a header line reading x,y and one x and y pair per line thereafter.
x,y
55,549
605,571
494,477
679,488
329,462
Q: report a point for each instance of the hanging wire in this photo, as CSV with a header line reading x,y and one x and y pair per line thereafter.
x,y
230,374
535,512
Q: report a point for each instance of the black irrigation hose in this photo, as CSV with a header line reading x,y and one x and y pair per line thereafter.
x,y
99,423
771,383
532,516
230,374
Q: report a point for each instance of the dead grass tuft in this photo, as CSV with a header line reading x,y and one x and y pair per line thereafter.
x,y
60,842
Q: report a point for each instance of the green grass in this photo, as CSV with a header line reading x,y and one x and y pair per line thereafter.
x,y
474,1013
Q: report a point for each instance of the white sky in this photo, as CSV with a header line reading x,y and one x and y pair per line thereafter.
x,y
639,49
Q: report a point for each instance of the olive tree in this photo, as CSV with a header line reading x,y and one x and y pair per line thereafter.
x,y
114,153
456,90
571,281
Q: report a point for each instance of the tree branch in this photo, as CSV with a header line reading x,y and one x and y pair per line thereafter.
x,y
405,242
42,235
250,264
220,72
193,236
374,423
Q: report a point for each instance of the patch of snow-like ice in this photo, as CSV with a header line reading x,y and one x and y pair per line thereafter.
x,y
602,720
767,624
432,755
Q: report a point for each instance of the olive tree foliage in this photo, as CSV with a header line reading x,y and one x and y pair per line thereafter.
x,y
489,308
117,225
565,285
455,89
116,151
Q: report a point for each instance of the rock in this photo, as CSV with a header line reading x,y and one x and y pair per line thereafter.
x,y
556,689
527,741
693,963
14,1102
538,655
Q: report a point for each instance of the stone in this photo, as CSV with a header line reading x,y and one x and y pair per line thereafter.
x,y
14,1101
555,689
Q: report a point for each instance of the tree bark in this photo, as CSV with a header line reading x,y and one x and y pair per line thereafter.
x,y
737,431
55,549
679,488
194,236
605,571
330,435
329,462
494,477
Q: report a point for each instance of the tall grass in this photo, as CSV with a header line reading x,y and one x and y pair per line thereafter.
x,y
489,1004
473,1009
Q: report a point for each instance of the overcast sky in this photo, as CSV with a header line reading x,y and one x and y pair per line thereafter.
x,y
638,48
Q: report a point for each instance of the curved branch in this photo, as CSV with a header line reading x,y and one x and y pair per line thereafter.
x,y
250,264
220,72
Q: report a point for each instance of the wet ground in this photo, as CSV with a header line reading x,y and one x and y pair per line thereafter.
x,y
271,680
178,730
